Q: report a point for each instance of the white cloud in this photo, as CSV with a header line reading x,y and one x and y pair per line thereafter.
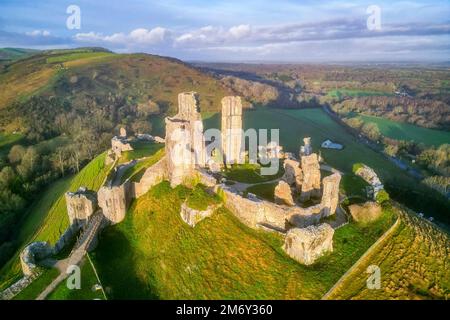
x,y
137,37
240,31
37,33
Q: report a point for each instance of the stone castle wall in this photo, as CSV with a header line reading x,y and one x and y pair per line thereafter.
x,y
151,177
114,201
80,206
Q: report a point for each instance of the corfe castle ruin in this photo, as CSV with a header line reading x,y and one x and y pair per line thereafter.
x,y
302,197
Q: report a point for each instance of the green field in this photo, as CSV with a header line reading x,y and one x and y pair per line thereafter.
x,y
7,141
355,93
407,131
153,254
294,125
77,56
47,218
86,292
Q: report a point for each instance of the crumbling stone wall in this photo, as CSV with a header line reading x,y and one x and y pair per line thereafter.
x,y
119,145
31,254
232,129
114,201
151,177
80,205
255,212
283,194
308,244
311,177
293,174
193,216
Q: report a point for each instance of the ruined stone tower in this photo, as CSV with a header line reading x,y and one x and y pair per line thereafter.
x,y
185,143
330,194
311,177
232,129
80,206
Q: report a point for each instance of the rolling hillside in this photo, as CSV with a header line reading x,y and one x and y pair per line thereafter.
x,y
12,54
121,86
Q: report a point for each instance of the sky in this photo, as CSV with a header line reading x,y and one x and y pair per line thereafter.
x,y
237,30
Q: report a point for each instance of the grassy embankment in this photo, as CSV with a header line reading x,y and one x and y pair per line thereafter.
x,y
413,264
158,256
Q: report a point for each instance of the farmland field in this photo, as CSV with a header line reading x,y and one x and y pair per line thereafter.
x,y
339,93
406,131
7,141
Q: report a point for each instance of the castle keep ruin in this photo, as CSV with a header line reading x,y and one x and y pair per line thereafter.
x,y
185,143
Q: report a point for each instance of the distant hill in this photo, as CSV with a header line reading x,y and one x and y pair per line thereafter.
x,y
90,82
12,54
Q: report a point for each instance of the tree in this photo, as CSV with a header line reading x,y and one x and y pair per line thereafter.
x,y
391,150
382,196
16,153
371,131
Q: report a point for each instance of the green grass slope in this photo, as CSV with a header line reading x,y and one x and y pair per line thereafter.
x,y
153,254
47,218
413,264
11,54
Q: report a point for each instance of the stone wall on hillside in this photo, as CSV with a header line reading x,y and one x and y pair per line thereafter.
x,y
31,254
308,244
80,205
151,177
114,201
255,212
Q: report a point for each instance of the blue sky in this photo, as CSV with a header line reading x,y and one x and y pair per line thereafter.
x,y
282,30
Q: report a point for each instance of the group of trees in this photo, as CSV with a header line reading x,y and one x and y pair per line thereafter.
x,y
435,160
61,137
423,112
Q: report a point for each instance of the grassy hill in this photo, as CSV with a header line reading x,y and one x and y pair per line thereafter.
x,y
158,256
413,264
11,54
97,77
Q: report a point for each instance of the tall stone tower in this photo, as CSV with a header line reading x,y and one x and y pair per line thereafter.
x,y
232,129
185,143
330,194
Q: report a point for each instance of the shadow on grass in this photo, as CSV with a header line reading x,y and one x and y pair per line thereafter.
x,y
113,255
